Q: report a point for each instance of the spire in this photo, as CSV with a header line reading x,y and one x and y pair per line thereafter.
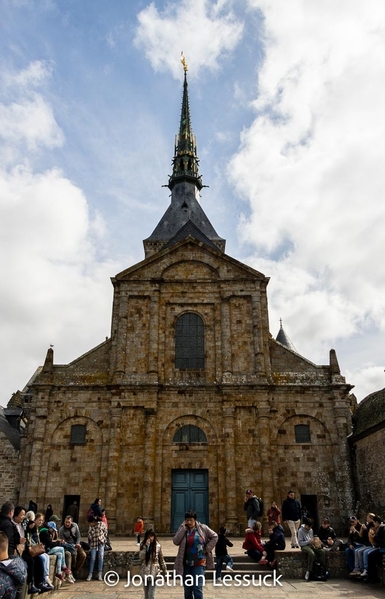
x,y
284,339
185,216
185,162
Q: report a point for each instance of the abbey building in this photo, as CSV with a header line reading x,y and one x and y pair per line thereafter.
x,y
191,400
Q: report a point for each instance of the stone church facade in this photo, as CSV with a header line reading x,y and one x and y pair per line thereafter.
x,y
190,400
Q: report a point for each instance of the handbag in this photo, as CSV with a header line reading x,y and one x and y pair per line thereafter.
x,y
35,549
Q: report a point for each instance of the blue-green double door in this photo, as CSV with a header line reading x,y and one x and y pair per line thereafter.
x,y
189,492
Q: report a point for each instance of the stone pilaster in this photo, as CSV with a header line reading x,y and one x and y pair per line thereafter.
x,y
230,461
148,491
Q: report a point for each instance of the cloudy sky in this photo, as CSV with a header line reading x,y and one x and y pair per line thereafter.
x,y
287,100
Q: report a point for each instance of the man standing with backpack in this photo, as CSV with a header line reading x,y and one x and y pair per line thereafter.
x,y
252,508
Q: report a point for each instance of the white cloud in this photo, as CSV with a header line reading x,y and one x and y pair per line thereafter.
x,y
54,285
311,166
202,29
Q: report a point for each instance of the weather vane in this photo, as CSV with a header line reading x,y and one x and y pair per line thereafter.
x,y
183,61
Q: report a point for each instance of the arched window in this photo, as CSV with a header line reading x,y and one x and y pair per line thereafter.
x,y
189,434
302,433
189,342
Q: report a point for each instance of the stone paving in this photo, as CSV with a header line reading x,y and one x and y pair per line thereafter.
x,y
290,589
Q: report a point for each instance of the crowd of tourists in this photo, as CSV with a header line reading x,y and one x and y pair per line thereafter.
x,y
29,537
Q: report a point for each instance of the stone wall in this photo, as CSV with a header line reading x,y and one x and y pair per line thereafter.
x,y
10,466
370,473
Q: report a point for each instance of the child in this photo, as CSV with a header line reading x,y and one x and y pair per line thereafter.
x,y
221,553
276,541
97,536
152,560
138,529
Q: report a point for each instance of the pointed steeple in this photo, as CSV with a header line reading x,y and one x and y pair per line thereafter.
x,y
185,162
283,338
185,216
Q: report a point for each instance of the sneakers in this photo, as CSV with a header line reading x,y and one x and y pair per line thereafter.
x,y
60,576
263,562
364,573
49,583
89,577
138,544
273,564
44,587
100,576
229,568
307,576
69,578
32,589
355,572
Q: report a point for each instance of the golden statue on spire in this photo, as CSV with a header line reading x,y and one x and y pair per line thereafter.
x,y
183,61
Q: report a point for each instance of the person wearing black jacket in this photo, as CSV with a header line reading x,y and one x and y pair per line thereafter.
x,y
354,540
8,527
221,553
291,514
376,556
251,507
276,541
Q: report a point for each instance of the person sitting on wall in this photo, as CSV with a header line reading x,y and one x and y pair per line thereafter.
x,y
307,543
252,542
70,533
276,542
354,541
328,536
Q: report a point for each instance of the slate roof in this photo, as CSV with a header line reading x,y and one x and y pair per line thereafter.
x,y
283,338
11,433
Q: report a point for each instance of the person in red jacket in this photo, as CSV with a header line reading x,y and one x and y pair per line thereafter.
x,y
252,542
138,529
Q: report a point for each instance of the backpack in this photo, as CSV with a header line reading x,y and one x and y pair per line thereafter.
x,y
319,572
89,514
260,502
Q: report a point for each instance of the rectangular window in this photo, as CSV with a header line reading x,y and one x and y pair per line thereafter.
x,y
302,433
78,434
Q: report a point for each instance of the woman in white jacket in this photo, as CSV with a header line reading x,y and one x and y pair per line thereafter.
x,y
152,559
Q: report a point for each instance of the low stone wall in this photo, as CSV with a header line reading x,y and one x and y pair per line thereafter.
x,y
117,561
292,564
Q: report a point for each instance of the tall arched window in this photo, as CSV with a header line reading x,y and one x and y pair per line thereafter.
x,y
189,342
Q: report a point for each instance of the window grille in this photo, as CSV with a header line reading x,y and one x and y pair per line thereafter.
x,y
302,433
189,434
78,434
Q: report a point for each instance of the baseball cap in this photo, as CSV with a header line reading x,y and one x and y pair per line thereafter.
x,y
54,518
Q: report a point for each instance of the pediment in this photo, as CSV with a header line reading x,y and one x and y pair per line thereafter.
x,y
192,260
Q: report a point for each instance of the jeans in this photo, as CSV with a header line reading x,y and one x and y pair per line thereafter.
x,y
222,559
60,560
195,584
100,551
350,556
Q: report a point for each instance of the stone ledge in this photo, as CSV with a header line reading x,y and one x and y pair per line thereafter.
x,y
292,564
